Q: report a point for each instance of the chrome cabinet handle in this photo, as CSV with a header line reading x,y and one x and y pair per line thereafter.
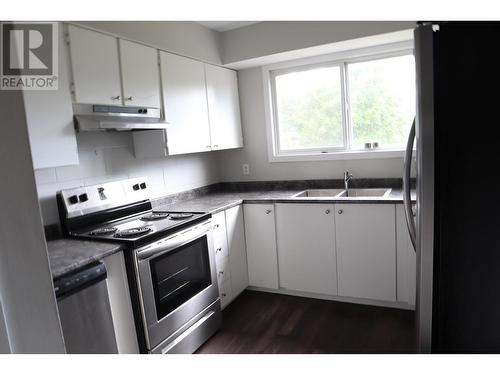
x,y
221,272
216,226
219,249
268,212
208,146
117,97
215,146
223,294
327,212
129,98
340,211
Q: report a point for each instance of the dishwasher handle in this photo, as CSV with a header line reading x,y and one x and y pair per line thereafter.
x,y
70,284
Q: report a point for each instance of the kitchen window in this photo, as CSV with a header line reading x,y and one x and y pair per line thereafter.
x,y
354,107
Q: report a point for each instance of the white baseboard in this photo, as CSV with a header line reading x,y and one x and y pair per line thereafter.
x,y
361,301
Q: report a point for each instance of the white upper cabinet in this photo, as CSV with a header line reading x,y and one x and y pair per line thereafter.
x,y
366,250
223,108
202,106
140,74
96,71
306,247
185,104
50,119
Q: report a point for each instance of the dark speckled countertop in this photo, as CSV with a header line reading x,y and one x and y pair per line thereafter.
x,y
66,255
219,201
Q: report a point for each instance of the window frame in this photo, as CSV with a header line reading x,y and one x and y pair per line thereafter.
x,y
301,68
342,60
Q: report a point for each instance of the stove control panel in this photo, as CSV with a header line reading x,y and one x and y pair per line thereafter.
x,y
87,199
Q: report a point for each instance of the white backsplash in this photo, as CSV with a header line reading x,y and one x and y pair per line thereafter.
x,y
110,156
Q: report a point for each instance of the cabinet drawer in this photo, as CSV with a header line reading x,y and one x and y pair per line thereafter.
x,y
219,235
224,293
222,266
221,251
220,240
219,225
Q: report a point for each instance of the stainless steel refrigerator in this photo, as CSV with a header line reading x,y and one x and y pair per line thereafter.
x,y
457,223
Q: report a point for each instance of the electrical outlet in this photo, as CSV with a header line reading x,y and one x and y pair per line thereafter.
x,y
246,169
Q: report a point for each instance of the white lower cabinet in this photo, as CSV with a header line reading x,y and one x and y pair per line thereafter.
x,y
260,235
406,260
344,251
366,251
306,247
230,253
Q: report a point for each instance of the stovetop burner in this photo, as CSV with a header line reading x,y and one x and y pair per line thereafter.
x,y
154,216
103,231
132,232
180,216
141,227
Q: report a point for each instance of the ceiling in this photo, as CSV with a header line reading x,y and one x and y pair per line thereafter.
x,y
225,25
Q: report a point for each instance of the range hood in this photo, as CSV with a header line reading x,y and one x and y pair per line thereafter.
x,y
91,117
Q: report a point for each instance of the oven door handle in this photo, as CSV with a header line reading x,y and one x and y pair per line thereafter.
x,y
173,242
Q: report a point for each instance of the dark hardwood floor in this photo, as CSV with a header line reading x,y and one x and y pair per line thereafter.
x,y
259,322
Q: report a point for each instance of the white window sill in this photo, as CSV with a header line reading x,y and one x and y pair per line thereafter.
x,y
338,155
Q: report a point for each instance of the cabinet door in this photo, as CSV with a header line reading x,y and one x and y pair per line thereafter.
x,y
140,74
366,250
260,236
237,250
50,119
306,247
223,108
96,72
406,260
185,104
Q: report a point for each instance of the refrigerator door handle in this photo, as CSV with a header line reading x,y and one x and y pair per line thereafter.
x,y
410,221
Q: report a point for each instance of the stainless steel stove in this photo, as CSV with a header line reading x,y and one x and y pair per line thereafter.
x,y
169,258
137,228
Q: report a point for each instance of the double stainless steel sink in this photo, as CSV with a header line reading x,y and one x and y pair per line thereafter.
x,y
342,193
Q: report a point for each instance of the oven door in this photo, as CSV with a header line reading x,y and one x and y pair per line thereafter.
x,y
177,280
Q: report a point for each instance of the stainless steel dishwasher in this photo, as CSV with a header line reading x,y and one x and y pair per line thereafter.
x,y
84,311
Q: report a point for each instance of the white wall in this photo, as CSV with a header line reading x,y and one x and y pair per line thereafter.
x,y
26,290
108,156
186,38
268,38
251,90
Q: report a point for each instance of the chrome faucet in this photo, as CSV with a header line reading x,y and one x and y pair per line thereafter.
x,y
347,178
